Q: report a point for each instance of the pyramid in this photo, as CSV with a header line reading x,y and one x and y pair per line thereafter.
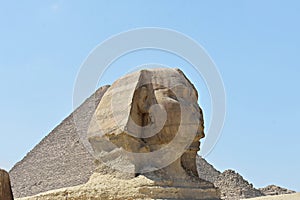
x,y
234,187
59,160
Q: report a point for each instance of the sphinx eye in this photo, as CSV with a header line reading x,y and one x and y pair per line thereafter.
x,y
171,94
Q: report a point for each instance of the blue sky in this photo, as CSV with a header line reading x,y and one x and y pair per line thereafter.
x,y
255,45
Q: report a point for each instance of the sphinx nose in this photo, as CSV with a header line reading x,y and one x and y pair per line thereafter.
x,y
200,131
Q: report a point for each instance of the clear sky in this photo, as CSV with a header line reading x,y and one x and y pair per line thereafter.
x,y
255,45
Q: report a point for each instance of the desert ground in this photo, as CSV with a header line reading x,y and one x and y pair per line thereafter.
x,y
295,196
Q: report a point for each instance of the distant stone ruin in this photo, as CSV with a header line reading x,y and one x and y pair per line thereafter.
x,y
275,190
234,187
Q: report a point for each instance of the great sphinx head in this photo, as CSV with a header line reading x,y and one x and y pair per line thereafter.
x,y
149,120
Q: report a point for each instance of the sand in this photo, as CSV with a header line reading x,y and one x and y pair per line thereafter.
x,y
295,196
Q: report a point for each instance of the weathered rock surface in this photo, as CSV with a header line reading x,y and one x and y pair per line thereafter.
x,y
5,187
234,187
148,111
275,190
206,171
109,184
149,122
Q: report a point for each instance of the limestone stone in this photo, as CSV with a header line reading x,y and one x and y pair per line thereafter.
x,y
206,171
234,187
275,190
111,186
5,187
141,114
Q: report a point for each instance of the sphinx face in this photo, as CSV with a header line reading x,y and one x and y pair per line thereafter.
x,y
163,103
179,102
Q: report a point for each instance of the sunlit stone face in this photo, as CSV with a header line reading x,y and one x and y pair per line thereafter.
x,y
157,105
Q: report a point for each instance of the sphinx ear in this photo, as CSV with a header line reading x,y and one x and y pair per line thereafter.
x,y
143,93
